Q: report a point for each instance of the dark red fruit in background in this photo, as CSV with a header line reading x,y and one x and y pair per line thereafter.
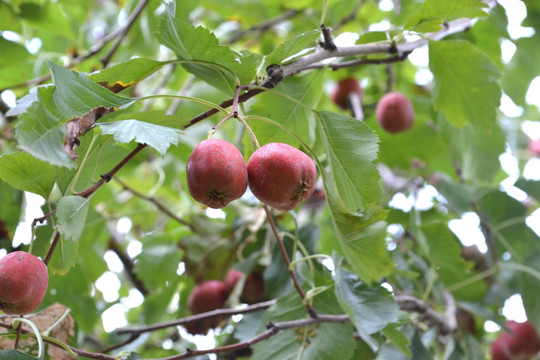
x,y
207,296
23,282
534,147
281,176
521,343
342,91
216,173
253,290
395,112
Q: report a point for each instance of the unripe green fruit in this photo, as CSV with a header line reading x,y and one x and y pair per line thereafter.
x,y
395,112
23,282
281,176
216,173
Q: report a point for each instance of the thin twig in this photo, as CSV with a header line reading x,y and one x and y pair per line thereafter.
x,y
156,202
262,26
128,265
210,314
52,248
296,284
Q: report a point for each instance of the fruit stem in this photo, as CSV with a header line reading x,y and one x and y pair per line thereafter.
x,y
297,286
19,332
250,132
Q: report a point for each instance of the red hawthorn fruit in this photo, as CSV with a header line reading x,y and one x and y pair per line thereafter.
x,y
534,147
281,176
207,296
395,112
253,290
216,173
521,343
23,282
344,88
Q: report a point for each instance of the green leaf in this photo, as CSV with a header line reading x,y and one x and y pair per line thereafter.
x,y
476,151
351,147
419,351
444,250
14,355
127,73
465,83
326,341
294,114
435,12
204,57
397,338
64,257
531,187
370,308
160,260
24,172
361,237
156,136
71,215
293,46
41,129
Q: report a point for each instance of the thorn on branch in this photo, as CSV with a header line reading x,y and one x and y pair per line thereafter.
x,y
328,43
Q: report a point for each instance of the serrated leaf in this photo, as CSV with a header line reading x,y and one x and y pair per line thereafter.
x,y
41,129
157,136
204,57
351,147
419,351
24,172
361,237
159,259
465,83
435,12
126,73
294,115
64,257
293,46
71,215
325,342
370,308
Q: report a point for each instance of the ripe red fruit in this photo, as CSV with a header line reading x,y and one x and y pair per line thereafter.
x,y
281,176
534,147
216,173
344,88
253,290
521,343
207,296
23,282
395,112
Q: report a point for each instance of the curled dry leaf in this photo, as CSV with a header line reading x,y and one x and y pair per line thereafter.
x,y
64,331
77,127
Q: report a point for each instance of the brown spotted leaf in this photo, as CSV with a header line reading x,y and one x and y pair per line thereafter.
x,y
77,127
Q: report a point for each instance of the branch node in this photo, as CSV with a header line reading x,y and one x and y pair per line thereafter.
x,y
328,43
270,325
106,177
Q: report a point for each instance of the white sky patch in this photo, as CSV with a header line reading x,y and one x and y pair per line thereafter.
x,y
109,284
113,261
215,213
420,57
467,229
531,171
533,221
181,268
134,299
516,12
423,77
491,326
32,210
124,224
134,248
508,49
531,128
402,202
509,163
114,318
9,98
532,93
386,5
33,45
346,39
381,26
11,36
513,309
509,108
